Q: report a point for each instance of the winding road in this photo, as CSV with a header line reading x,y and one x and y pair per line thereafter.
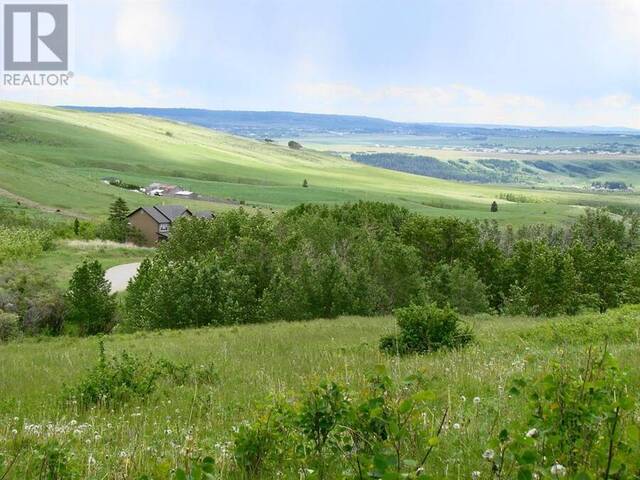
x,y
120,275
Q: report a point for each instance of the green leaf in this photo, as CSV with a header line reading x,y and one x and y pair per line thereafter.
x,y
524,474
583,476
528,457
406,406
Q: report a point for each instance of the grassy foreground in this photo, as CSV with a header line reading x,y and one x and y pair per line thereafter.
x,y
256,363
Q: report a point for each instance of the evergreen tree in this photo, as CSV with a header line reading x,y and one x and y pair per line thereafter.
x,y
91,305
494,206
118,222
76,227
305,184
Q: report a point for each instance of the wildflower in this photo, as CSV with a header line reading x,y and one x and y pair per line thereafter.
x,y
463,398
489,455
123,454
558,470
476,400
14,431
475,475
456,426
533,433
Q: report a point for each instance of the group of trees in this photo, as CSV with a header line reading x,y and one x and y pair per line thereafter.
x,y
31,303
117,227
370,258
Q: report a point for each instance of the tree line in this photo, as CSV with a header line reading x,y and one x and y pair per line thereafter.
x,y
370,258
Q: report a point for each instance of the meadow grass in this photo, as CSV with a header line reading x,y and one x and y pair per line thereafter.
x,y
256,363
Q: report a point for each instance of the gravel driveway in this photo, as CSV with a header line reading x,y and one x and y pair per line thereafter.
x,y
120,275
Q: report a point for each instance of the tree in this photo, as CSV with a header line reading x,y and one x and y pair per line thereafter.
x,y
494,206
91,305
305,184
294,145
118,222
76,227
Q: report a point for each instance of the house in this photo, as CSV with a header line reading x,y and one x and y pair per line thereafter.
x,y
155,222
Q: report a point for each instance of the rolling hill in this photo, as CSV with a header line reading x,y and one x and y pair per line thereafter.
x,y
57,158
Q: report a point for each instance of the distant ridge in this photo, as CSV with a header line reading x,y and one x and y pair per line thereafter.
x,y
287,124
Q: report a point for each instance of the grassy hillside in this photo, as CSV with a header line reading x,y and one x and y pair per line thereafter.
x,y
251,365
56,158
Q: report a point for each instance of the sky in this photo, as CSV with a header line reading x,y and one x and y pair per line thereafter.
x,y
522,62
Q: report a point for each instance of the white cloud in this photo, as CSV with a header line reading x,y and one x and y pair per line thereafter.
x,y
466,104
85,90
455,102
624,20
145,29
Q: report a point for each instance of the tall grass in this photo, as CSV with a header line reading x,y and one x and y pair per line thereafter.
x,y
255,364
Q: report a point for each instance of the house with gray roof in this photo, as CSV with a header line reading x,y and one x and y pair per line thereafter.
x,y
155,222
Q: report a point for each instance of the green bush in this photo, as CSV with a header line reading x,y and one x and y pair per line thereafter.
x,y
114,380
118,379
23,243
91,307
579,423
8,326
426,328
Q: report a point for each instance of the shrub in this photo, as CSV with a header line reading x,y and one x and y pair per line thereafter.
x,y
21,242
580,424
91,306
124,377
332,432
426,328
115,380
45,314
8,326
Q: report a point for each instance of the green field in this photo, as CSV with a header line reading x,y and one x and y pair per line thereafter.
x,y
56,159
256,363
608,166
60,262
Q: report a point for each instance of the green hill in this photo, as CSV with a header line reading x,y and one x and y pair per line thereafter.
x,y
57,158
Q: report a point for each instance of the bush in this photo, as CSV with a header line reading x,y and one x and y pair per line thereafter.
x,y
579,424
91,306
8,326
45,314
115,380
426,328
119,379
20,242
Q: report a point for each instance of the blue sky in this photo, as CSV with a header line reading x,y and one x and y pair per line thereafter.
x,y
538,62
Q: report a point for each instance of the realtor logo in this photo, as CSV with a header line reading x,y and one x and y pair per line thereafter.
x,y
36,37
